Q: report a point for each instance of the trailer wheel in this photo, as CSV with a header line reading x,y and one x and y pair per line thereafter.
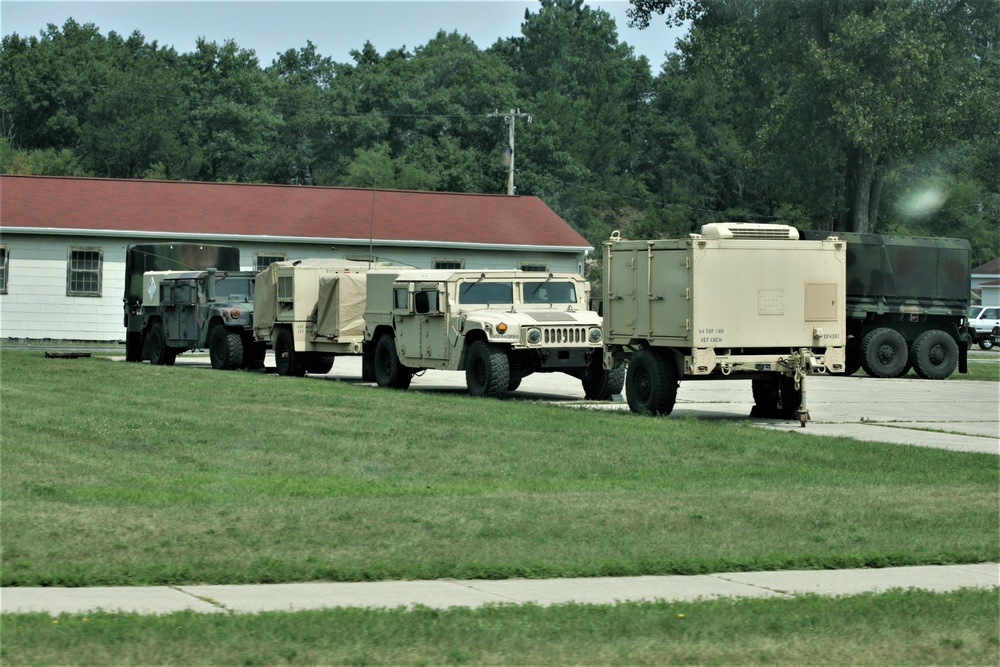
x,y
651,383
225,349
389,370
934,355
852,352
600,384
487,370
884,353
286,359
320,364
160,354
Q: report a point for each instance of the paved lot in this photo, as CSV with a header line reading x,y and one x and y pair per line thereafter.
x,y
947,414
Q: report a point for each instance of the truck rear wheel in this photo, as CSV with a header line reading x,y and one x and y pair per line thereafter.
x,y
884,353
651,383
934,355
286,359
389,370
600,384
487,370
160,354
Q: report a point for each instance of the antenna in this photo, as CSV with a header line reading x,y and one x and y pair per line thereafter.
x,y
371,228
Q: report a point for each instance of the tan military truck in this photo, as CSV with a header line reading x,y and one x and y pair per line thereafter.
x,y
310,311
499,326
738,301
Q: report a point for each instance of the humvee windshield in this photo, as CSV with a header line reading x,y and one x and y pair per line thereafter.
x,y
549,291
486,292
234,289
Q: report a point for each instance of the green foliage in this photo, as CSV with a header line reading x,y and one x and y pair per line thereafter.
x,y
874,116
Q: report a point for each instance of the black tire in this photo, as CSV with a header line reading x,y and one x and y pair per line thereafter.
x,y
514,382
286,359
160,354
766,398
487,370
133,346
934,355
600,384
651,383
791,398
225,349
320,364
986,343
884,353
389,370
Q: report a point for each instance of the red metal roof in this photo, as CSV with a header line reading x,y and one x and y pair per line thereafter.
x,y
287,211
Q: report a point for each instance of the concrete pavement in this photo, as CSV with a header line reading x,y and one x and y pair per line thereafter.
x,y
446,593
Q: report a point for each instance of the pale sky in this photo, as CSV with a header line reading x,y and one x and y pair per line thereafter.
x,y
336,27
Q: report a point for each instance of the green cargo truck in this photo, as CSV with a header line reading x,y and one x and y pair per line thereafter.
x,y
907,303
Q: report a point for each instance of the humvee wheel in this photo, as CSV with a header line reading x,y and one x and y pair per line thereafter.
x,y
225,349
600,384
253,355
884,353
389,370
286,360
934,355
514,382
487,370
160,354
651,383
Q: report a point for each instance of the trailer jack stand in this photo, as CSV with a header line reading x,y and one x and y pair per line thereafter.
x,y
803,416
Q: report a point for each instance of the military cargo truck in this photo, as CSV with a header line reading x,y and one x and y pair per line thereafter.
x,y
197,310
907,299
145,257
738,301
499,326
310,311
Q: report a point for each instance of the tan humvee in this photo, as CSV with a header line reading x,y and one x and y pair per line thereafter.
x,y
499,326
738,300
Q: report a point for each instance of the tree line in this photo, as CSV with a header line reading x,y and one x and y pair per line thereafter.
x,y
862,115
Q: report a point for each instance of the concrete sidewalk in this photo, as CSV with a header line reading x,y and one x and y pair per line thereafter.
x,y
445,593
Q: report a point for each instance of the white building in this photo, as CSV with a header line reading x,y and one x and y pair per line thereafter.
x,y
63,240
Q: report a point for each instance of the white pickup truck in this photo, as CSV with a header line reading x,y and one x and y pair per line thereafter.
x,y
983,323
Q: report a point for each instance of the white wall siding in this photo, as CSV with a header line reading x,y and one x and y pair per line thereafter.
x,y
36,306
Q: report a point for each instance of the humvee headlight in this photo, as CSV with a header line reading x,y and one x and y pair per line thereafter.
x,y
502,328
235,313
595,335
534,335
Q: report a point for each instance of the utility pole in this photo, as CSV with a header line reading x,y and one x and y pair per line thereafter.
x,y
508,151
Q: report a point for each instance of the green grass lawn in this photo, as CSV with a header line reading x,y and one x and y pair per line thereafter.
x,y
119,473
894,628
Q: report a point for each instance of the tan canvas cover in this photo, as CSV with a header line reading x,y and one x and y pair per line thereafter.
x,y
341,305
266,286
265,299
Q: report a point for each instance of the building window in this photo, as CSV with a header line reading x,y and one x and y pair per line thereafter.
x,y
528,266
449,264
262,261
4,263
83,274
